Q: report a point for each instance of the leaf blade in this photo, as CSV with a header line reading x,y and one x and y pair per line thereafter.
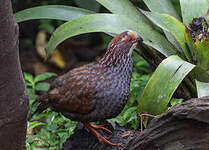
x,y
59,12
117,7
172,70
202,88
202,55
193,9
172,25
165,7
162,6
89,5
101,23
151,36
29,77
42,86
44,76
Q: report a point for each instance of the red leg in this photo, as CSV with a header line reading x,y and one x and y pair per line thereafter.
x,y
100,127
98,135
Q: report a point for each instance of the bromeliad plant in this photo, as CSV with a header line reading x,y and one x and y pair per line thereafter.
x,y
166,34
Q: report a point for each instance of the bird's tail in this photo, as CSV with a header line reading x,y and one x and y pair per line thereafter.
x,y
43,103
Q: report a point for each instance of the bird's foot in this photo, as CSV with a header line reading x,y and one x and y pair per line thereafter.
x,y
101,138
100,127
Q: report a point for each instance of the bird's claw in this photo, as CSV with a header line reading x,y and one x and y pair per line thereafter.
x,y
98,135
101,128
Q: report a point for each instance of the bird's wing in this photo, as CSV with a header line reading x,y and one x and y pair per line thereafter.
x,y
77,93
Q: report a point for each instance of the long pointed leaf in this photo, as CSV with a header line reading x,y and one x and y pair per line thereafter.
x,y
202,69
163,84
151,37
123,7
108,23
172,25
192,9
91,23
164,7
88,4
58,12
202,89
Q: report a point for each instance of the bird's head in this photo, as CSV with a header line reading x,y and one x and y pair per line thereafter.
x,y
121,47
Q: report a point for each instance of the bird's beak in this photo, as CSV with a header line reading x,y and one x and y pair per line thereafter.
x,y
138,40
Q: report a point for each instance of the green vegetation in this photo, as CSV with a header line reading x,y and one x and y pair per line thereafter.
x,y
54,128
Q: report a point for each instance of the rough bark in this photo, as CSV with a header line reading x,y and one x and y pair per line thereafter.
x,y
184,127
13,97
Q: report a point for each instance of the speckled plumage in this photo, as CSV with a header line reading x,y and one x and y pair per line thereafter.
x,y
95,91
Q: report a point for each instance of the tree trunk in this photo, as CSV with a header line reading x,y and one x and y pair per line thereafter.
x,y
13,97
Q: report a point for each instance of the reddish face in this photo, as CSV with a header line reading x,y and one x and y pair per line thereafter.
x,y
130,37
125,37
121,46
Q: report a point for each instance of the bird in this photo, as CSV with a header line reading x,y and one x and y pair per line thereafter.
x,y
95,91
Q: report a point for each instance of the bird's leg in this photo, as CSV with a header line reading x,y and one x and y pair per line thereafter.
x,y
98,135
141,119
100,127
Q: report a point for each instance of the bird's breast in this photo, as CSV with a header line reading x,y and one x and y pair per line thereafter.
x,y
109,92
114,90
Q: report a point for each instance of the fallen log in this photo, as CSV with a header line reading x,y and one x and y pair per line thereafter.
x,y
183,127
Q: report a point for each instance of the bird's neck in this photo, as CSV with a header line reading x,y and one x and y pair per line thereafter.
x,y
114,57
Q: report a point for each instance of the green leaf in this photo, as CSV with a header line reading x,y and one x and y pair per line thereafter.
x,y
117,7
34,124
28,146
58,12
202,89
163,83
151,37
28,84
175,101
191,45
43,86
172,25
202,69
88,4
193,9
88,24
129,112
28,77
112,122
110,23
164,7
31,95
44,76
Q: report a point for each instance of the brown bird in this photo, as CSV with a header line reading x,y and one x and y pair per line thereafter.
x,y
95,91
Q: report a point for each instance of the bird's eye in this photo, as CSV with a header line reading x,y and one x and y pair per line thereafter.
x,y
130,39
